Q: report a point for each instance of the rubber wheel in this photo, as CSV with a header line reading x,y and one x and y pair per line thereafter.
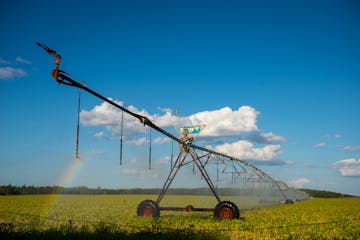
x,y
226,210
189,208
148,208
289,201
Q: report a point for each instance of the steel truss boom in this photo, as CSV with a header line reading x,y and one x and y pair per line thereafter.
x,y
61,78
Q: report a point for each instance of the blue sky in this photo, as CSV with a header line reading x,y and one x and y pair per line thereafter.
x,y
284,76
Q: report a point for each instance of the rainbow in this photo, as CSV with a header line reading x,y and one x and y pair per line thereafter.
x,y
65,181
73,168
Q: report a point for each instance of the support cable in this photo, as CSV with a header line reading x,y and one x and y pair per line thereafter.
x,y
149,148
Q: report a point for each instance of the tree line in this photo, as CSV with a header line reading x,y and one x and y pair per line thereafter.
x,y
30,190
26,190
324,194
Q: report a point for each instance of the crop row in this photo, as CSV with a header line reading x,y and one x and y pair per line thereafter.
x,y
116,214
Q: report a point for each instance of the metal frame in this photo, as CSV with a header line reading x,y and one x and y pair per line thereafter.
x,y
185,152
62,79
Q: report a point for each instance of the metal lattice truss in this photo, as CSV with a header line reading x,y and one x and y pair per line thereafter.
x,y
242,173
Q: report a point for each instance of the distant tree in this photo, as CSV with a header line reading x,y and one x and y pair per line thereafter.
x,y
324,194
24,189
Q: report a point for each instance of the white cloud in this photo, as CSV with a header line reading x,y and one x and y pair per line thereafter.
x,y
320,145
106,115
226,122
130,171
246,150
351,148
4,61
348,167
10,72
222,122
289,162
22,60
160,140
165,110
101,135
337,135
332,136
270,137
164,160
299,183
138,142
169,120
265,138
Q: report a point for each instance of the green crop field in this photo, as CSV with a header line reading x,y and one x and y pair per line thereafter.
x,y
114,217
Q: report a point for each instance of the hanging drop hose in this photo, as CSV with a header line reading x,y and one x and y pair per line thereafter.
x,y
149,148
121,136
78,128
172,154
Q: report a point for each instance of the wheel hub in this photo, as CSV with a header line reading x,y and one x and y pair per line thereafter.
x,y
226,213
147,211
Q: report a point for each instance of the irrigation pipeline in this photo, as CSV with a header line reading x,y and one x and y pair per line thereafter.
x,y
61,78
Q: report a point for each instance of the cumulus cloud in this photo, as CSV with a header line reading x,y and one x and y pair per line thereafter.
x,y
265,138
246,150
138,142
165,110
299,183
160,140
337,136
320,145
348,167
332,136
272,138
107,116
22,60
226,122
351,148
221,122
101,135
10,73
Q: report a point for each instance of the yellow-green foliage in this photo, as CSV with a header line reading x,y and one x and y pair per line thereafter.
x,y
312,219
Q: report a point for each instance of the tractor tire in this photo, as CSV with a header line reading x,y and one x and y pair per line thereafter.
x,y
148,208
226,210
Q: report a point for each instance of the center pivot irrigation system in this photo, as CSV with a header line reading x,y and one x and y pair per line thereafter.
x,y
239,170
